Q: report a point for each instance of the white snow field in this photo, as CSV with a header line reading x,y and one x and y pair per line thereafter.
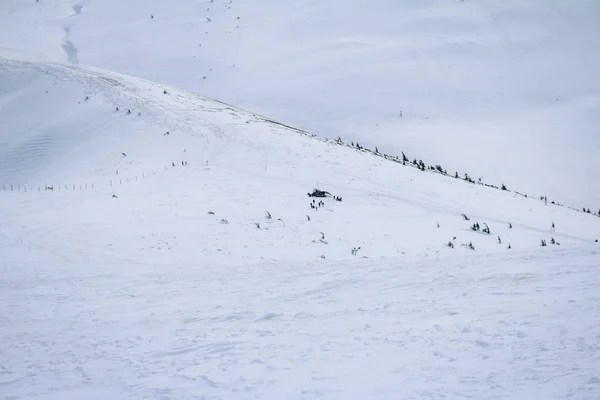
x,y
171,291
158,244
504,90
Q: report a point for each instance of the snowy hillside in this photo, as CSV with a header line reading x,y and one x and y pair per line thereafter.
x,y
141,264
507,91
158,244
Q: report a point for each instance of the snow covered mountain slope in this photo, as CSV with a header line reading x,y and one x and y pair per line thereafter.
x,y
191,264
68,126
507,91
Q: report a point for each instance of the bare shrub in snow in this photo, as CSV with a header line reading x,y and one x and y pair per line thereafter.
x,y
486,229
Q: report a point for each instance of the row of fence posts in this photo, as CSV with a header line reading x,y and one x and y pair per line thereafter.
x,y
70,187
29,188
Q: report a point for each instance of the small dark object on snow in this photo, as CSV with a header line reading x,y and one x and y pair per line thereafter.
x,y
139,114
165,91
86,98
318,193
116,108
151,16
114,196
308,218
486,229
124,155
128,111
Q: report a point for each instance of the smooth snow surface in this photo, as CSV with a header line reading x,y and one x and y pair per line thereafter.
x,y
504,90
158,244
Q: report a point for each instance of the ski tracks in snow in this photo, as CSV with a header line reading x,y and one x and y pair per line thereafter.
x,y
358,329
173,110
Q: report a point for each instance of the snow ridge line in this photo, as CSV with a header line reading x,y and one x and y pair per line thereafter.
x,y
114,79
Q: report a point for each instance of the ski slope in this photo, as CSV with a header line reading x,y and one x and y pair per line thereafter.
x,y
506,91
171,290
